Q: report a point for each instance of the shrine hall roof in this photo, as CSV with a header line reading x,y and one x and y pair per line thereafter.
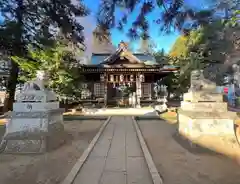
x,y
122,53
148,59
124,59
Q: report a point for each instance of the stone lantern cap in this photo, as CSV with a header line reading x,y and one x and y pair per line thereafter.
x,y
35,90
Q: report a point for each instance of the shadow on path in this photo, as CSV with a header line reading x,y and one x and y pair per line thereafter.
x,y
179,162
2,130
192,147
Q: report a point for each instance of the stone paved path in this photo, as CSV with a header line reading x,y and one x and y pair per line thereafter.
x,y
116,158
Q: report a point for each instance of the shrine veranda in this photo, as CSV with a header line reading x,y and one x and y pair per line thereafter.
x,y
121,69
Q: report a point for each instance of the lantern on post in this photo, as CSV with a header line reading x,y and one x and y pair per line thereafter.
x,y
121,78
131,78
141,77
102,78
112,78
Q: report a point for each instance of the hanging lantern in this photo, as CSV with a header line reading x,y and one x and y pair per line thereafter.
x,y
141,77
131,78
121,78
112,78
102,78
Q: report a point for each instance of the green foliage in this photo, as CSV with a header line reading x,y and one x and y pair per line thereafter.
x,y
203,48
127,91
179,48
37,23
161,57
207,41
172,15
235,19
172,81
60,65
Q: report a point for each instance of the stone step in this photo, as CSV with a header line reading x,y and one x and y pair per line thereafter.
x,y
194,125
204,106
213,115
202,96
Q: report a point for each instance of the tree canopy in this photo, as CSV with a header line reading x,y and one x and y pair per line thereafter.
x,y
37,23
60,65
31,30
173,14
209,47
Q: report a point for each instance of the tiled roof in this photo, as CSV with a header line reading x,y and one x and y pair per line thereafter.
x,y
98,58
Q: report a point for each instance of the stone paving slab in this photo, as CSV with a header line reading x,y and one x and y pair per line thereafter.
x,y
137,170
111,177
117,157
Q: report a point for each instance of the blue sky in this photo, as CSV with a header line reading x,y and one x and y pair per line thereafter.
x,y
162,40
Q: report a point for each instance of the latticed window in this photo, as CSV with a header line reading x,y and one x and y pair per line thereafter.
x,y
146,89
98,90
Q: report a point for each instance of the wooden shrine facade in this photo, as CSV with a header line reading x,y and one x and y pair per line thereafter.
x,y
123,71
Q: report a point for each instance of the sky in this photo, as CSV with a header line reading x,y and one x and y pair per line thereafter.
x,y
161,40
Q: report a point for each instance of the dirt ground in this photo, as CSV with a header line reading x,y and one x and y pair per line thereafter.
x,y
52,167
180,163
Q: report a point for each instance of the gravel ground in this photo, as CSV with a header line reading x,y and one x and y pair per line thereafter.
x,y
53,167
179,163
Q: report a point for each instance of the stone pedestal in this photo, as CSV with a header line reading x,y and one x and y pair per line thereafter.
x,y
198,116
196,124
203,112
36,122
202,96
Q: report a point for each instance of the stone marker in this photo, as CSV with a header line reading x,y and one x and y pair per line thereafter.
x,y
203,111
36,122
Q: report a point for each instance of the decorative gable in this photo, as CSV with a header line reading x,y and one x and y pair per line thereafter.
x,y
122,56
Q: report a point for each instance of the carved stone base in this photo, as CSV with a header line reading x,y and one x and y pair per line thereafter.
x,y
204,106
202,96
35,142
195,124
25,146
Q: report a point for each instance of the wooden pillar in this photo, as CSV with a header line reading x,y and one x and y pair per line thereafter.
x,y
150,91
138,90
105,89
152,86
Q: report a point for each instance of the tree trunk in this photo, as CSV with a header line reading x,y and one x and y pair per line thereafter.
x,y
18,50
168,95
11,87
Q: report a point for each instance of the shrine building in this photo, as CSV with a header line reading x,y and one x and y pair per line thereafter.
x,y
111,74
